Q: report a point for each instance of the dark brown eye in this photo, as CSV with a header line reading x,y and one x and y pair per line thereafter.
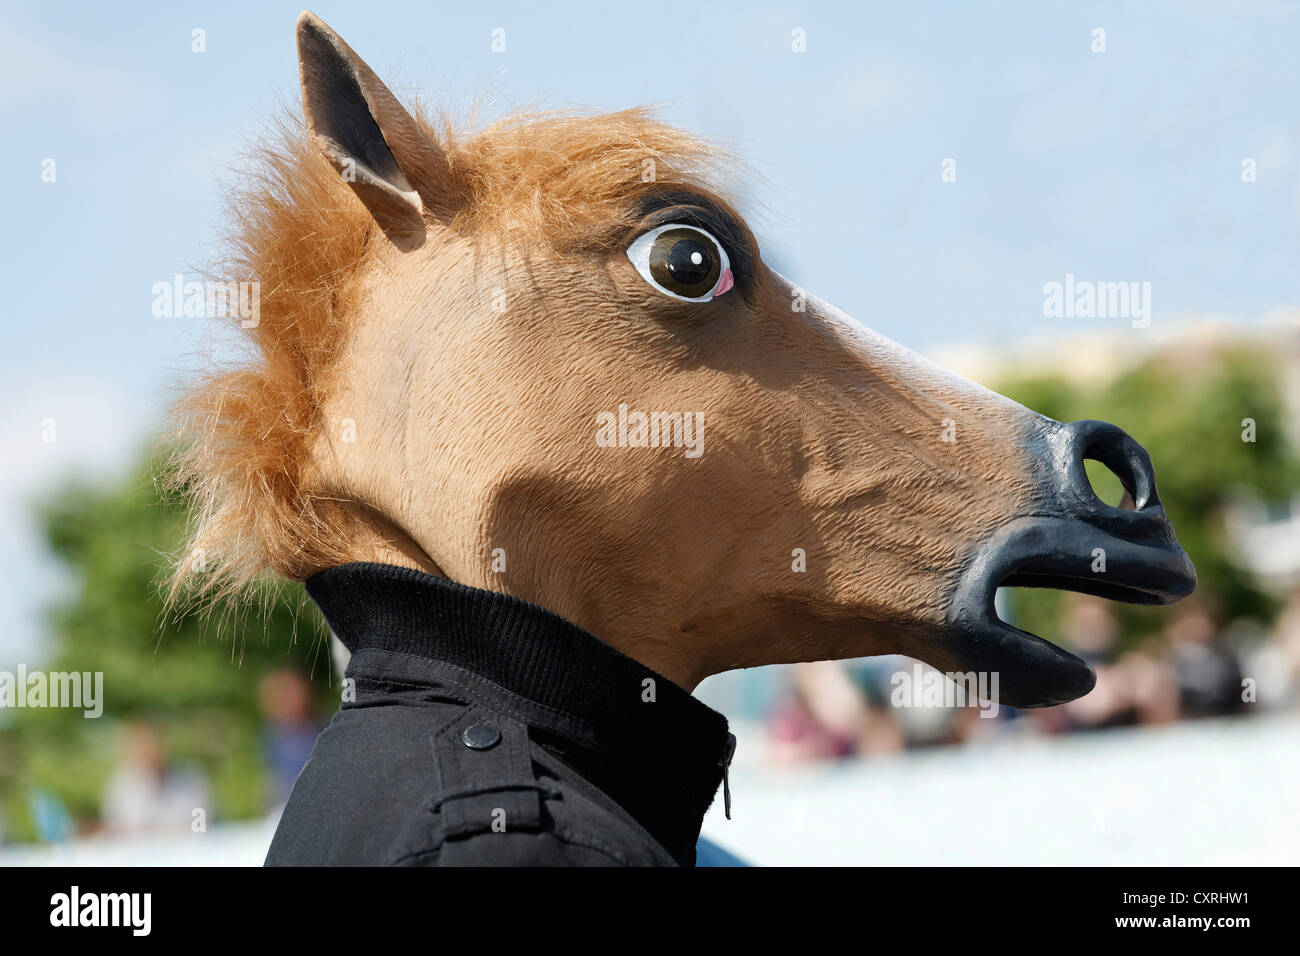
x,y
683,261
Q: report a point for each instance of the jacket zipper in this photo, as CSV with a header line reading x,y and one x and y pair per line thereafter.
x,y
727,754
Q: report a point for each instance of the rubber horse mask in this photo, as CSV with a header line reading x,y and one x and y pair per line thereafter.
x,y
547,359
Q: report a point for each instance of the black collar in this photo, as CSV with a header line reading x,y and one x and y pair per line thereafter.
x,y
661,760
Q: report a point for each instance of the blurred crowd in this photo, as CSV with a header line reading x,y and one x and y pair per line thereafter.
x,y
1195,667
151,792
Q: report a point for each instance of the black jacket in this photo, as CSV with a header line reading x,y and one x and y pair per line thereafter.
x,y
479,729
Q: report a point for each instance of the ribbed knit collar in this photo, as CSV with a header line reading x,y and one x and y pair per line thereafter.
x,y
650,745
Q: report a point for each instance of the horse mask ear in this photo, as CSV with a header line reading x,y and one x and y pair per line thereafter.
x,y
369,138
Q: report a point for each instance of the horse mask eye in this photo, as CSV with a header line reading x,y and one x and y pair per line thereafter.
x,y
683,262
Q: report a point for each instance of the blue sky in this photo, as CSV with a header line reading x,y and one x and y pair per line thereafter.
x,y
1123,165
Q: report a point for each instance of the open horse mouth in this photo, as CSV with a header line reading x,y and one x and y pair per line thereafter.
x,y
1072,541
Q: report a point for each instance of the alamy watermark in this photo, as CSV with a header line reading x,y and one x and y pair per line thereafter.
x,y
626,429
131,911
212,299
926,687
1084,299
76,689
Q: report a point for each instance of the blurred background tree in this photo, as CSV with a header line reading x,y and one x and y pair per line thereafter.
x,y
193,678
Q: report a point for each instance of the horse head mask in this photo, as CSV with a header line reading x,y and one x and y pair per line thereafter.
x,y
546,358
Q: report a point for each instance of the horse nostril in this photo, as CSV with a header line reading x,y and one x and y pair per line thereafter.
x,y
1116,468
1110,488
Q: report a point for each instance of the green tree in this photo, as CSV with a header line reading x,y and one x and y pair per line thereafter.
x,y
192,676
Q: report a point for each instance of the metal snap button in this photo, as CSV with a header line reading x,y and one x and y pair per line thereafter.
x,y
481,737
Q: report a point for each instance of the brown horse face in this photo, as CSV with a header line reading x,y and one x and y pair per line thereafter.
x,y
670,444
849,497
